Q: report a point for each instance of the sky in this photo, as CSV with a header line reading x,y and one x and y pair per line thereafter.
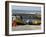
x,y
26,8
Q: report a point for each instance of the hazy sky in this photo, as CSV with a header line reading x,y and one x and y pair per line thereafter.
x,y
26,8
